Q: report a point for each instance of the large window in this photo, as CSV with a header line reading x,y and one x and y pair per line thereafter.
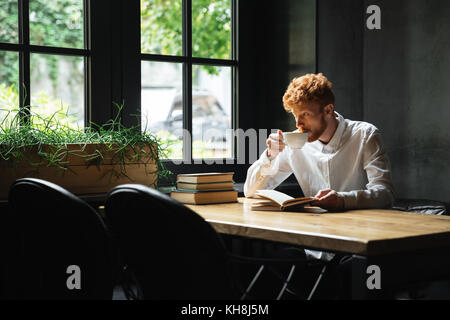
x,y
188,69
43,59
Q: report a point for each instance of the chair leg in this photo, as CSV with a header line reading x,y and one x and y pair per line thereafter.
x,y
252,282
130,286
317,282
286,282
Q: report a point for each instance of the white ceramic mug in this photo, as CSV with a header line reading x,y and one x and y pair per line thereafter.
x,y
295,140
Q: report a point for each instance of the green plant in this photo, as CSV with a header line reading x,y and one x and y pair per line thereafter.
x,y
37,133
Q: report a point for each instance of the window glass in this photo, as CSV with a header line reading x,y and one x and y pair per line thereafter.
x,y
57,23
162,104
9,86
161,27
9,21
162,82
211,29
57,88
211,112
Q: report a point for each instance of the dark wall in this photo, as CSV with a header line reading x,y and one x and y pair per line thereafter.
x,y
339,52
396,78
276,43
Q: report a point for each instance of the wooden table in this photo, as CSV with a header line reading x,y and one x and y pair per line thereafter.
x,y
408,247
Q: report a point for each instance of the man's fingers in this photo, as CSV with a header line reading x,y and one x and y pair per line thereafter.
x,y
275,137
322,193
276,143
331,201
318,194
280,134
327,196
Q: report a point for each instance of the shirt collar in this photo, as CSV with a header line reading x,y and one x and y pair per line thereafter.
x,y
336,139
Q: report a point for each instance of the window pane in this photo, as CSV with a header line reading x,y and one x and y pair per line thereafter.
x,y
211,112
9,21
9,86
162,104
161,27
57,23
57,87
211,29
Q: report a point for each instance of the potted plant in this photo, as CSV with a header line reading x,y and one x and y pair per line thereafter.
x,y
81,160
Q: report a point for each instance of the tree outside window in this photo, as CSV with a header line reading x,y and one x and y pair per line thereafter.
x,y
207,59
56,83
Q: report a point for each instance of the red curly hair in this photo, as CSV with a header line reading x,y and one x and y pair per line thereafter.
x,y
308,88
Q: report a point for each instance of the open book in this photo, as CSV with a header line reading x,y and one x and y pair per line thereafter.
x,y
279,201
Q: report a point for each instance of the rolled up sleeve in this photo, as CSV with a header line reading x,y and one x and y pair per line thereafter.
x,y
267,174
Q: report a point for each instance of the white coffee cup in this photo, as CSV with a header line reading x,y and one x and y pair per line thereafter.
x,y
295,140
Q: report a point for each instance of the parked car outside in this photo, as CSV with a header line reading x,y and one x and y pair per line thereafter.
x,y
210,123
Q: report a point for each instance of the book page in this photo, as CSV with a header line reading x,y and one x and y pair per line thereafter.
x,y
297,201
266,208
276,196
264,203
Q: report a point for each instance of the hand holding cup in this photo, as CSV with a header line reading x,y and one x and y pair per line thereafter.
x,y
275,144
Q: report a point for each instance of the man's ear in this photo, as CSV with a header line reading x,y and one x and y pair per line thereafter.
x,y
329,109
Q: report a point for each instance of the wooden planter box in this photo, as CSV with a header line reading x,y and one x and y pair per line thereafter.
x,y
83,173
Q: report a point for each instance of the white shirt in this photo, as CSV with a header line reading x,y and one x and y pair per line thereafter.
x,y
353,163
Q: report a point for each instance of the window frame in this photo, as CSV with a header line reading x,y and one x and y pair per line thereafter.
x,y
25,49
113,71
187,61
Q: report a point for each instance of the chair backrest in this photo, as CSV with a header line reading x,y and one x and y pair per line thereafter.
x,y
172,252
422,206
65,248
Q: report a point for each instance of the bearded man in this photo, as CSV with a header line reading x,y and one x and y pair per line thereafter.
x,y
343,164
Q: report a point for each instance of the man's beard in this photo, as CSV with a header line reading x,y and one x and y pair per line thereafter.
x,y
316,133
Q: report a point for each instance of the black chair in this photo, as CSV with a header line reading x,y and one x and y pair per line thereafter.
x,y
65,249
7,246
173,253
421,206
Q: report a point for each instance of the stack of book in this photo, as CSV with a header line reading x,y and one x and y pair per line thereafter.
x,y
205,188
